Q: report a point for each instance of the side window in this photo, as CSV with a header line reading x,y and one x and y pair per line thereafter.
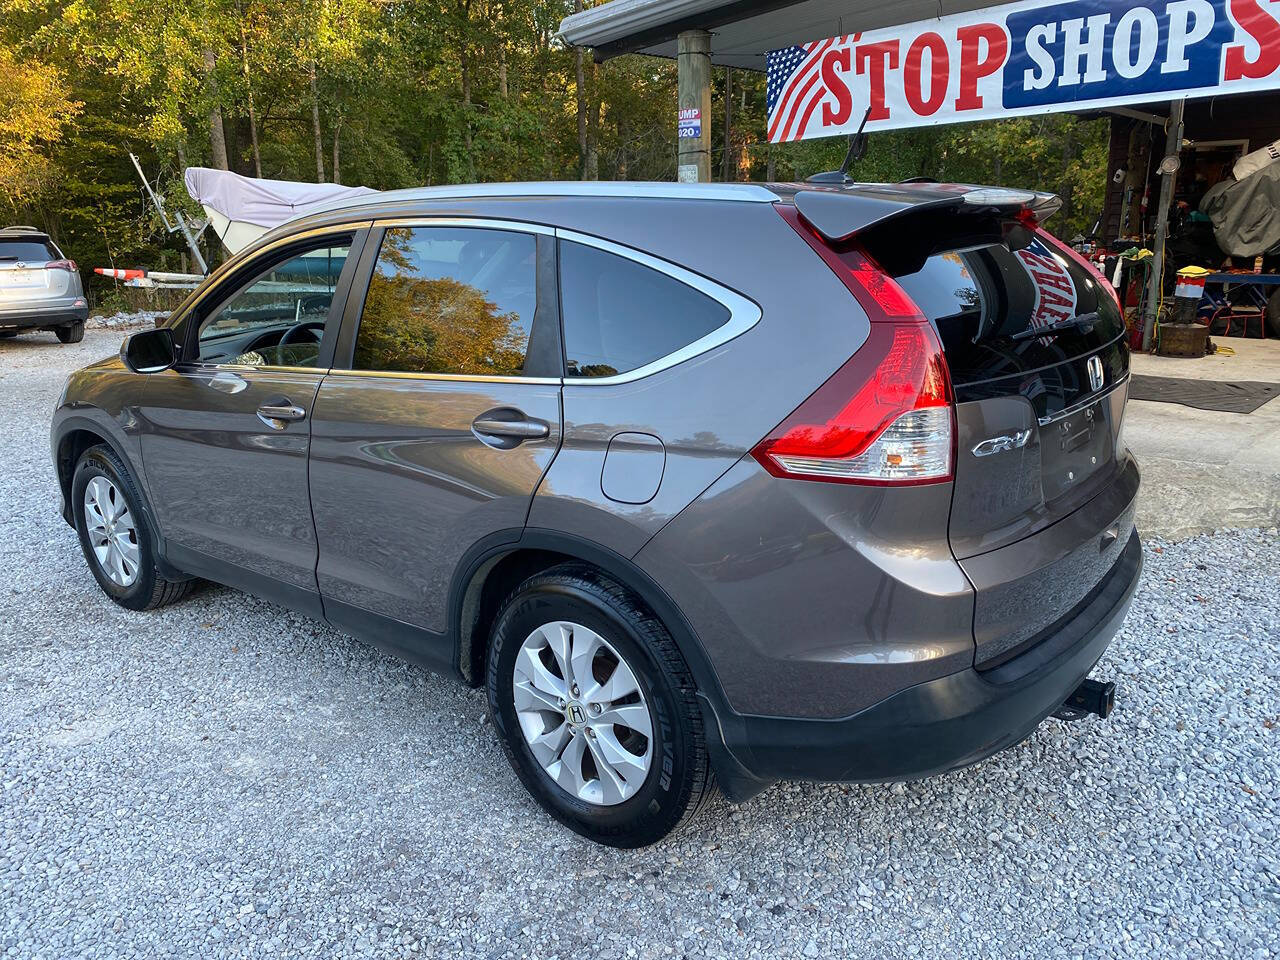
x,y
620,315
449,300
279,319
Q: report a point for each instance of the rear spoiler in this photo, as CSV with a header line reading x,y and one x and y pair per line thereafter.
x,y
902,225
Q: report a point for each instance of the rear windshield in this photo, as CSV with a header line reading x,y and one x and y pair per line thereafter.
x,y
980,298
28,251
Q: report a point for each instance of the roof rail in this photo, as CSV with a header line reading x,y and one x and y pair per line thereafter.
x,y
656,190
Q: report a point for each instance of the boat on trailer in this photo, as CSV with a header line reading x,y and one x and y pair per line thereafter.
x,y
241,209
238,209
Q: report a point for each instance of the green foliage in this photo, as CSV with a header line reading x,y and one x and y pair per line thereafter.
x,y
393,93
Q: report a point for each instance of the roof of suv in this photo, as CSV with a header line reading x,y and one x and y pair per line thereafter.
x,y
635,189
835,210
903,194
22,233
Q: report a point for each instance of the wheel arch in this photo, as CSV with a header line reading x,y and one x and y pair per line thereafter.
x,y
497,564
72,437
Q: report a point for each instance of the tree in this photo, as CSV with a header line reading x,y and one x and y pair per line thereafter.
x,y
391,93
34,112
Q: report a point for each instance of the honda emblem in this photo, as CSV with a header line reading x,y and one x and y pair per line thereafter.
x,y
1096,377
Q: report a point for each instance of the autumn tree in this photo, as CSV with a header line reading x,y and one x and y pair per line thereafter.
x,y
34,110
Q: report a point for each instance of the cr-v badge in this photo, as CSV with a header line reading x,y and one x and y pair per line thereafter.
x,y
1000,444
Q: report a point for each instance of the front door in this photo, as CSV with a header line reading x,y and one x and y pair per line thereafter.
x,y
227,431
437,434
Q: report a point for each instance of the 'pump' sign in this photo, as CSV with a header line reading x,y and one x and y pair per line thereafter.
x,y
1023,58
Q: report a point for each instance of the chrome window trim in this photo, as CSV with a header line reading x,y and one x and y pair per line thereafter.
x,y
743,313
1086,402
481,223
200,367
215,279
442,377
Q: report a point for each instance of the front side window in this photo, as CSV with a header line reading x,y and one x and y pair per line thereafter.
x,y
453,300
620,315
280,318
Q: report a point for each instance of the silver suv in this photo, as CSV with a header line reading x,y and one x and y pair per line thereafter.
x,y
39,287
703,484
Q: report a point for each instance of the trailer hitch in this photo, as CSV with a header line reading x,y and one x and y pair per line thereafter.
x,y
1091,697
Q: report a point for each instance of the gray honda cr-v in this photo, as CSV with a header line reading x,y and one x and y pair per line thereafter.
x,y
705,484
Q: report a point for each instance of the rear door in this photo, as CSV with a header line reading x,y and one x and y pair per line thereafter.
x,y
1038,420
438,422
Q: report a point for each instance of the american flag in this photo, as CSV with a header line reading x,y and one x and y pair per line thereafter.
x,y
794,88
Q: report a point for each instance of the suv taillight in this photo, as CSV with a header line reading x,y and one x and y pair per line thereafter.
x,y
67,265
885,417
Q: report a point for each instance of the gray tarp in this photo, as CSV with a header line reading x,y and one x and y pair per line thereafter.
x,y
266,203
1246,213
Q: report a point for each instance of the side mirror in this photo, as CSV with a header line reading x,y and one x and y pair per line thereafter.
x,y
149,351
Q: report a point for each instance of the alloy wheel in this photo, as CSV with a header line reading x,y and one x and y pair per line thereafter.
x,y
583,713
113,533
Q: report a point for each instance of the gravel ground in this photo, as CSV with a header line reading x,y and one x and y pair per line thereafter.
x,y
126,318
225,778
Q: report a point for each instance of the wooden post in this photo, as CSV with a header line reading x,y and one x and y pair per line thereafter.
x,y
729,172
1173,145
693,144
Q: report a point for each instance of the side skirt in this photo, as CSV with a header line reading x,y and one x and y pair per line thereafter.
x,y
435,651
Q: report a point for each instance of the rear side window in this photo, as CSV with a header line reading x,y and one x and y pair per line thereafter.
x,y
620,315
27,251
454,300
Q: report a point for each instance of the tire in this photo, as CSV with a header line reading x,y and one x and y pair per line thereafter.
x,y
137,585
678,780
1273,314
6,334
71,333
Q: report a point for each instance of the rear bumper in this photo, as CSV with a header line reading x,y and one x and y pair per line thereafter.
x,y
937,725
39,317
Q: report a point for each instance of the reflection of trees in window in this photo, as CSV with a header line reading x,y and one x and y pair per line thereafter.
x,y
591,369
426,325
394,254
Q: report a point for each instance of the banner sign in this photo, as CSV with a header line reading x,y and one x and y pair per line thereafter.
x,y
1023,58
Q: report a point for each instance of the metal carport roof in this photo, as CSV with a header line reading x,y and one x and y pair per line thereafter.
x,y
742,31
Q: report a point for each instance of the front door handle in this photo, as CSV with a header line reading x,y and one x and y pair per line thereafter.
x,y
275,415
512,429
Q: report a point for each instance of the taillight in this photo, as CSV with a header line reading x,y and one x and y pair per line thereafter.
x,y
67,265
877,292
885,417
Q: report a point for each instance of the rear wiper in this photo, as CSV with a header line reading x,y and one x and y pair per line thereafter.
x,y
1083,321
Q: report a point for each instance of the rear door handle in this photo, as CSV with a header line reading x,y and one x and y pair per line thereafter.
x,y
512,429
276,415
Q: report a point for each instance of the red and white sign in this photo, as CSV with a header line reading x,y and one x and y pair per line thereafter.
x,y
1023,58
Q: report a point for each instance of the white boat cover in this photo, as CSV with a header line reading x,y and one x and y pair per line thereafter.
x,y
243,208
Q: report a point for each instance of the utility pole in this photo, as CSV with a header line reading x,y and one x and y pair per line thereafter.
x,y
1173,145
693,128
728,124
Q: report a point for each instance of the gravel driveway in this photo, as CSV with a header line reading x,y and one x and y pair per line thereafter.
x,y
226,778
